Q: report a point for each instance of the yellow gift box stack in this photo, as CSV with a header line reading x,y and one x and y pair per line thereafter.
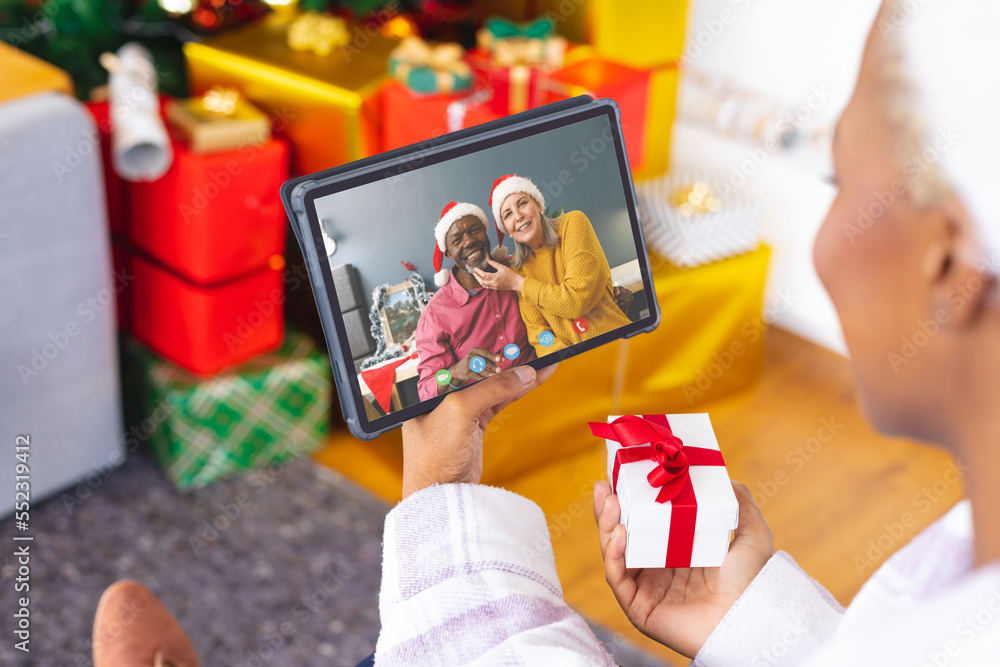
x,y
322,99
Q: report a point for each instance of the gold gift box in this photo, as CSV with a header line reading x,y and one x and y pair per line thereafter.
x,y
206,130
325,105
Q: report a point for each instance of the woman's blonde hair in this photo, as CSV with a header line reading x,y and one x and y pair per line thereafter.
x,y
550,232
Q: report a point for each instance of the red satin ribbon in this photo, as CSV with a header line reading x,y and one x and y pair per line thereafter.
x,y
649,438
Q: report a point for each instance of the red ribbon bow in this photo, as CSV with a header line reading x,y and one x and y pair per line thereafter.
x,y
649,438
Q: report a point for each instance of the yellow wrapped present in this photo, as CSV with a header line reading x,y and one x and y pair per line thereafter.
x,y
322,95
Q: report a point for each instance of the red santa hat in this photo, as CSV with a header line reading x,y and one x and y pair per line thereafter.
x,y
507,185
451,214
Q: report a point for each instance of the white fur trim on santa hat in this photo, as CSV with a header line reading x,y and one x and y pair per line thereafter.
x,y
442,277
508,187
457,212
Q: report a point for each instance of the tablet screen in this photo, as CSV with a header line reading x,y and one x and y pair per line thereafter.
x,y
435,295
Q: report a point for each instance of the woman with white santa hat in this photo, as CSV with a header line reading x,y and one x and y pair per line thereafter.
x,y
559,269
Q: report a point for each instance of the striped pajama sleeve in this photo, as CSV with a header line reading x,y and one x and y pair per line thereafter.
x,y
468,577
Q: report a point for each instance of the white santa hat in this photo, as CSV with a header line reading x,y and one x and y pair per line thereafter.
x,y
952,58
507,185
451,214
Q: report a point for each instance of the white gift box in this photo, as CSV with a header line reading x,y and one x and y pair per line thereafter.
x,y
701,238
647,522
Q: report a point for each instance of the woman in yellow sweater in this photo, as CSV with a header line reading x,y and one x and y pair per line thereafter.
x,y
559,269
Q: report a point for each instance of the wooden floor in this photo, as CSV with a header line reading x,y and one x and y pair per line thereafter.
x,y
835,494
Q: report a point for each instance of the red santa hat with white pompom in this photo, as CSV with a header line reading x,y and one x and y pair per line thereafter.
x,y
507,185
451,214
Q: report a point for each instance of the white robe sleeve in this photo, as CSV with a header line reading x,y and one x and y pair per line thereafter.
x,y
469,577
781,619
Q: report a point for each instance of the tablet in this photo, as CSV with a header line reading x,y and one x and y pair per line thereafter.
x,y
422,293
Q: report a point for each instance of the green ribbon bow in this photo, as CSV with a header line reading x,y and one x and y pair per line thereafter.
x,y
501,28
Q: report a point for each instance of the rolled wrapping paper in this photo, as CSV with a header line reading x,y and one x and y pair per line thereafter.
x,y
140,147
430,69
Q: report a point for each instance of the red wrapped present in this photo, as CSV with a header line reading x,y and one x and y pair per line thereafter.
x,y
599,77
213,216
514,59
207,328
409,117
514,87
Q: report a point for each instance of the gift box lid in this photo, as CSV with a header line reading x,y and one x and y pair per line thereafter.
x,y
718,508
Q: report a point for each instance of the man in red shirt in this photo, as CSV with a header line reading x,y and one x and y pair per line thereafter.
x,y
467,330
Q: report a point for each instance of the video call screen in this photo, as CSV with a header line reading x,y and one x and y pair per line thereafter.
x,y
567,271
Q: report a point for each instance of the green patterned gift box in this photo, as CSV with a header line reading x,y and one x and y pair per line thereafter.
x,y
267,410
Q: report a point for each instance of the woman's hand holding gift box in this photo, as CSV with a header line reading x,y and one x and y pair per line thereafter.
x,y
670,507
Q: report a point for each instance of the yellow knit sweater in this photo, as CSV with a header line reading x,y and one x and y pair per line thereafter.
x,y
568,281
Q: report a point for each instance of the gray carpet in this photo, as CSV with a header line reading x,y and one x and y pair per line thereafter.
x,y
288,574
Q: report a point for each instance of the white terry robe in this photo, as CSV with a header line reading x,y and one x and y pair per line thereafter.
x,y
469,578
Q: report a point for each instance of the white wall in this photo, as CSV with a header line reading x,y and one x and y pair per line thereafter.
x,y
790,50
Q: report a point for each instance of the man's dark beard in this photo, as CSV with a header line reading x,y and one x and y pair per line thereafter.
x,y
483,264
